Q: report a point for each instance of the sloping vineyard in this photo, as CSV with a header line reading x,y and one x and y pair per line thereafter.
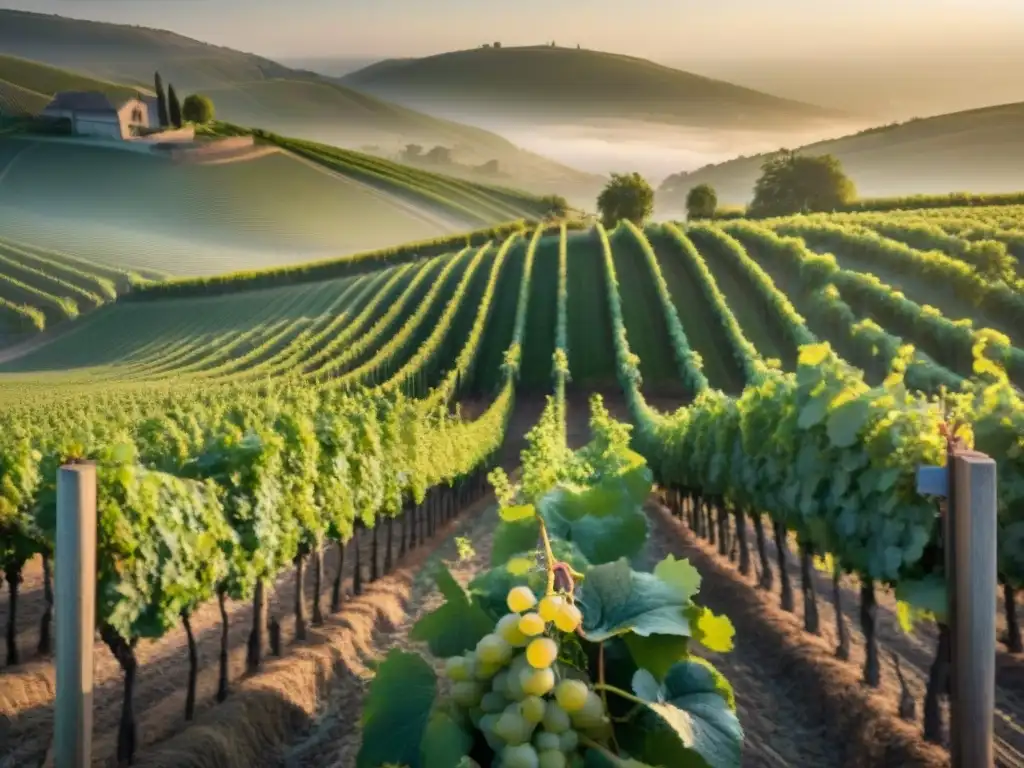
x,y
784,379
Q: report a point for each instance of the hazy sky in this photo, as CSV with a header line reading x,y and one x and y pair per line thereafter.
x,y
662,29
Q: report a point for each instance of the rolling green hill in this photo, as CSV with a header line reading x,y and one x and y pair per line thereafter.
x,y
43,80
286,202
977,150
544,82
276,207
251,90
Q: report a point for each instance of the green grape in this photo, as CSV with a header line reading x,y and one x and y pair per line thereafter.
x,y
499,683
508,628
549,607
521,599
518,664
493,649
593,707
474,716
569,740
455,669
544,741
493,702
568,617
511,726
531,624
485,670
542,652
487,724
556,719
470,662
514,686
537,682
533,708
571,695
467,694
519,756
551,758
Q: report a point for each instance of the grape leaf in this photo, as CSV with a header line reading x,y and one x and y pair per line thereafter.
x,y
397,711
646,686
680,574
518,512
615,600
846,422
457,625
714,632
511,539
621,491
445,742
657,653
688,720
602,539
596,539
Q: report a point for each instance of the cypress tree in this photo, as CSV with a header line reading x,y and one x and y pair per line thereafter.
x,y
161,102
175,107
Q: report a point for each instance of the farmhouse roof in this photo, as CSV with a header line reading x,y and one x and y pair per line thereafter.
x,y
86,101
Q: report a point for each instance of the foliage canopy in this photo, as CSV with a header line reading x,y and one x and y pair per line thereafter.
x,y
792,183
627,196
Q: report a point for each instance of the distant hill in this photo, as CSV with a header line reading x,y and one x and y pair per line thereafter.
x,y
979,150
26,86
545,82
252,90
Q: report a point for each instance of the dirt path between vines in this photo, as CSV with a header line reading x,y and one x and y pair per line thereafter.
x,y
799,705
915,650
26,693
334,741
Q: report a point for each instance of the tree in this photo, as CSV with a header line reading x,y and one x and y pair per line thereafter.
x,y
701,202
626,196
161,101
197,108
174,107
412,152
792,183
440,155
557,206
496,45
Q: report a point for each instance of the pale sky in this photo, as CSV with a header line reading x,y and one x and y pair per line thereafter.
x,y
658,29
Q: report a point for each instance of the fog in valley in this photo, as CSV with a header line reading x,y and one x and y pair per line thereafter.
x,y
654,150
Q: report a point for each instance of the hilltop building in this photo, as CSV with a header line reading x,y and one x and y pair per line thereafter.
x,y
92,113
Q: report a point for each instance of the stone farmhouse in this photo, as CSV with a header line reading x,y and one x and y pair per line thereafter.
x,y
96,114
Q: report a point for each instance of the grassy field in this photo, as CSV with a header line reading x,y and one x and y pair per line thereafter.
x,y
273,201
38,82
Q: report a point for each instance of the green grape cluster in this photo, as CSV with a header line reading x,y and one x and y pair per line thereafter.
x,y
530,711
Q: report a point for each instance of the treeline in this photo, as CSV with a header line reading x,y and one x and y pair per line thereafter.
x,y
907,202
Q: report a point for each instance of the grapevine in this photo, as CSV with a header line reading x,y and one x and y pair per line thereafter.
x,y
561,654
